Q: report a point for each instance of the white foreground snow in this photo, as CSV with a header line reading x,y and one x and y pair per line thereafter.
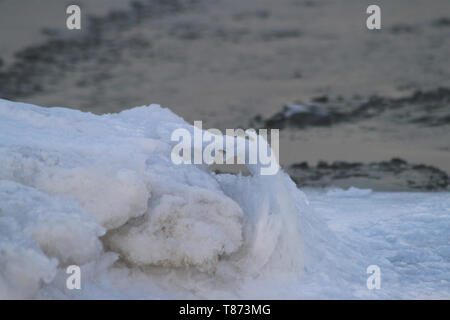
x,y
101,192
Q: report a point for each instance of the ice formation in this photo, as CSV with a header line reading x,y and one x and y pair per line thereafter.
x,y
102,192
75,186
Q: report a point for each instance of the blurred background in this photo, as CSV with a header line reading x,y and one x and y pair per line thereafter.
x,y
348,100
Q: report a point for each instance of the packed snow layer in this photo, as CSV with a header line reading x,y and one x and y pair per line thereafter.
x,y
76,186
102,192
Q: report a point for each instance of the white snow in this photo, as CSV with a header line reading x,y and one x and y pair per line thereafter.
x,y
406,234
101,192
350,193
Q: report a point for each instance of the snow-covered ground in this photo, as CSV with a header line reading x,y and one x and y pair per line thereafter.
x,y
406,234
102,192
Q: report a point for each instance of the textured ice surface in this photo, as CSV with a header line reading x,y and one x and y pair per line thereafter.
x,y
349,193
75,186
101,192
406,234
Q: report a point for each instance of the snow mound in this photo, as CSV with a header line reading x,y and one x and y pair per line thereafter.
x,y
76,187
101,192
